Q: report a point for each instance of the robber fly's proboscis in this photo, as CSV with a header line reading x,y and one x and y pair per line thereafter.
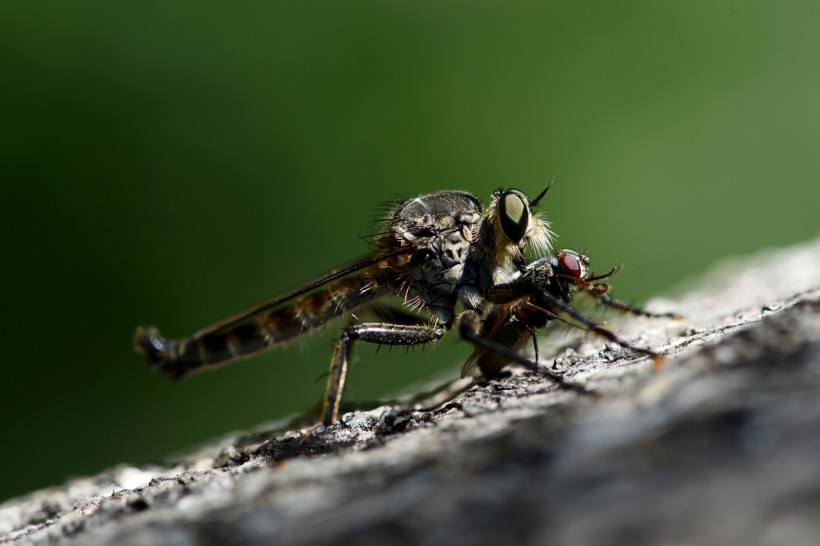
x,y
451,263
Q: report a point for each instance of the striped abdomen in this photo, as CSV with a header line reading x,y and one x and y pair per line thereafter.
x,y
176,358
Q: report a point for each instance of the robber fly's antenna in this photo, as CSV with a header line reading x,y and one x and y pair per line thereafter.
x,y
535,201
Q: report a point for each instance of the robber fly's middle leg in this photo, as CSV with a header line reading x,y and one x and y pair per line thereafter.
x,y
378,333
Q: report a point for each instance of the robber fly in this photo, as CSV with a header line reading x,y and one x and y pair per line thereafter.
x,y
435,252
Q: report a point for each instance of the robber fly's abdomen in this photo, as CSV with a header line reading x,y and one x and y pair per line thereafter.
x,y
177,358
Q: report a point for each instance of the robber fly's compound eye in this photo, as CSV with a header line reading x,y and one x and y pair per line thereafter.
x,y
514,215
573,264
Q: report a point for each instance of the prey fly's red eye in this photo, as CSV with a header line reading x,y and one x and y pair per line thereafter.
x,y
571,265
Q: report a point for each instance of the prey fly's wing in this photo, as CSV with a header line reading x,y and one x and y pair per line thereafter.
x,y
250,314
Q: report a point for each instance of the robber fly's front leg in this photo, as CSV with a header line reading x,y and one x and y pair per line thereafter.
x,y
378,333
536,276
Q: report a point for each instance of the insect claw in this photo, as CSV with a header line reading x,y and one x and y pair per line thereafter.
x,y
149,342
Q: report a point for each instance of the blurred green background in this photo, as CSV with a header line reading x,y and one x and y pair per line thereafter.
x,y
170,163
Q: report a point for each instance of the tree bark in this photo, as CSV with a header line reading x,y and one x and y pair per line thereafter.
x,y
719,446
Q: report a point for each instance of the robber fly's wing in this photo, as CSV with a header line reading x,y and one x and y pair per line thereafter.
x,y
249,314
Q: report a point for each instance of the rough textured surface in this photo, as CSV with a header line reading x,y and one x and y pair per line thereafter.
x,y
718,447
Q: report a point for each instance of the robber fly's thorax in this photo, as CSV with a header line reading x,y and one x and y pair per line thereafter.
x,y
440,228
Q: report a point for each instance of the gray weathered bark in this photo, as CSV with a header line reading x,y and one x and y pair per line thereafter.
x,y
720,446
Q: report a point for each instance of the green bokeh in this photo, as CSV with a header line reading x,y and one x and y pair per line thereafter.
x,y
170,163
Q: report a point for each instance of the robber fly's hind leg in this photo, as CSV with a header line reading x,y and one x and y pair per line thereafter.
x,y
378,333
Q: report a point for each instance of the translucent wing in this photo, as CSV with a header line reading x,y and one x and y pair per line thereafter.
x,y
249,314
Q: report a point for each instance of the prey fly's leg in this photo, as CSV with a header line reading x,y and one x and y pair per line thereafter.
x,y
378,333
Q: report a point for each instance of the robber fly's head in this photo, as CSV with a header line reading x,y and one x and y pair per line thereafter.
x,y
515,223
